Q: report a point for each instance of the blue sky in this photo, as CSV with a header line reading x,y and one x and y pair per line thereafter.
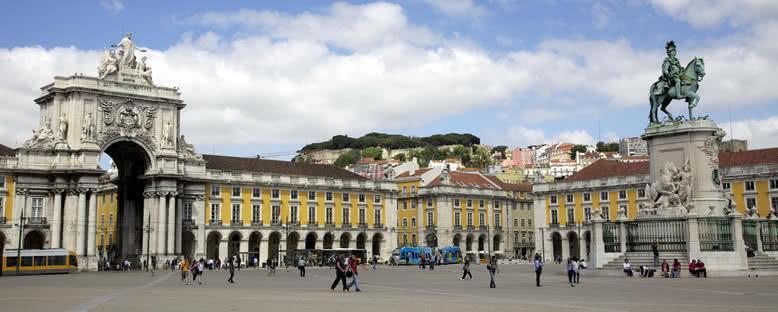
x,y
271,76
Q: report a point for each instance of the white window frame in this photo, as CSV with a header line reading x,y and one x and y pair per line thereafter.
x,y
570,215
216,191
481,217
362,215
236,188
605,211
2,182
726,185
413,221
587,197
329,215
405,222
328,196
413,204
377,198
569,198
36,204
456,202
457,218
377,219
554,216
294,195
256,192
256,212
429,203
623,194
753,186
773,184
215,211
110,238
405,204
346,216
604,196
275,194
110,219
641,193
312,195
405,239
469,203
102,217
311,214
275,214
774,202
187,210
497,204
496,218
294,214
469,219
235,217
481,203
553,199
587,214
362,197
346,197
754,200
430,218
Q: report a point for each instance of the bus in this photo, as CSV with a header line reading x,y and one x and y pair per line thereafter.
x,y
412,255
450,255
39,261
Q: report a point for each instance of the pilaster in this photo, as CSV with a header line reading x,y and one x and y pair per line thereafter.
x,y
56,220
161,222
170,224
81,223
91,225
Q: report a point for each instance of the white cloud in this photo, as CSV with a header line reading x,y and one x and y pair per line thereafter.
x,y
523,136
115,6
287,79
702,13
760,133
575,136
459,7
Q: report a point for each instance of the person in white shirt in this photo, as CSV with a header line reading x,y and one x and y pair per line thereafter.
x,y
627,268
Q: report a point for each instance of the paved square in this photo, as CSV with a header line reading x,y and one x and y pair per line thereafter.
x,y
388,289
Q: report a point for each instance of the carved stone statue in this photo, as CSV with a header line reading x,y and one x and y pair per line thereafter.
x,y
63,127
685,183
88,129
109,64
676,83
166,139
127,48
670,194
42,138
145,71
188,150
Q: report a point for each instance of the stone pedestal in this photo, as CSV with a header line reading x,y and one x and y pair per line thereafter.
x,y
694,143
597,257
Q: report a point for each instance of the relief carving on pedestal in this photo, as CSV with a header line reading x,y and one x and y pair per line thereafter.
x,y
41,139
127,119
670,194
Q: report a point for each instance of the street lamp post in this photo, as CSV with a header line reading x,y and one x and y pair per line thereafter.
x,y
21,233
148,229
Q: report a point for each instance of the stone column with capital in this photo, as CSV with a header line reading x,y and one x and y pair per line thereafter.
x,y
598,244
148,242
161,221
91,225
179,224
68,219
81,224
56,220
170,225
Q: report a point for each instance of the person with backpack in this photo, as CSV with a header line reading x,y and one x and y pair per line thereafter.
x,y
353,264
492,268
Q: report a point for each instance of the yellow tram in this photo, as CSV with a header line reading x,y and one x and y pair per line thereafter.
x,y
39,261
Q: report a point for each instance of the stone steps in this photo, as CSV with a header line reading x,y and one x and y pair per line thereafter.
x,y
641,258
762,262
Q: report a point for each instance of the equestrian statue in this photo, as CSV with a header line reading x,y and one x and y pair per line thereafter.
x,y
676,83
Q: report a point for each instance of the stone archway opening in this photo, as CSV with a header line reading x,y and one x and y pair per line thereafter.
x,y
469,242
572,240
556,242
255,240
457,241
377,238
233,249
131,161
496,241
274,246
310,240
33,240
345,240
588,240
328,240
188,244
481,242
361,241
291,242
213,241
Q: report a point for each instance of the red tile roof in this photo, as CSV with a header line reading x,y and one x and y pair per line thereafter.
x,y
610,168
510,186
7,151
414,173
466,179
229,163
745,158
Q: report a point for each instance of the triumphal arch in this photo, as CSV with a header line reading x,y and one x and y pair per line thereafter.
x,y
162,187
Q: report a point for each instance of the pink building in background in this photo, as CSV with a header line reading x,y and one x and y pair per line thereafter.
x,y
520,158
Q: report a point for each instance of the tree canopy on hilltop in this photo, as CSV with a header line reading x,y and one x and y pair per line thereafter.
x,y
393,141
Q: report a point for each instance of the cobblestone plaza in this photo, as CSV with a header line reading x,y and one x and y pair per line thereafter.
x,y
387,289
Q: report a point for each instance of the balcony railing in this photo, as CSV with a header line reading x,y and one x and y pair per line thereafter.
x,y
498,227
188,222
36,220
329,224
236,222
256,222
275,222
216,222
457,226
346,225
312,224
470,227
482,227
378,226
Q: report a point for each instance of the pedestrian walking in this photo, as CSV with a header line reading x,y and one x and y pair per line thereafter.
x,y
432,263
570,272
231,268
184,270
466,269
340,273
353,264
492,268
301,266
655,251
422,265
200,270
237,263
375,260
538,269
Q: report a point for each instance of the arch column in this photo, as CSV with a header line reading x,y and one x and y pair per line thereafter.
x,y
179,224
56,220
81,223
91,225
161,222
170,224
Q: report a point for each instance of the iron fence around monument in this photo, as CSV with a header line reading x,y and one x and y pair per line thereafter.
x,y
611,237
769,232
668,234
749,234
715,234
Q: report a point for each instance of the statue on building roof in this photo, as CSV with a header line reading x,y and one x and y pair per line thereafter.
x,y
127,50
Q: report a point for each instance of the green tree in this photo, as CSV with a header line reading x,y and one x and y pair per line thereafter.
x,y
577,148
603,147
372,152
500,149
400,157
348,158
